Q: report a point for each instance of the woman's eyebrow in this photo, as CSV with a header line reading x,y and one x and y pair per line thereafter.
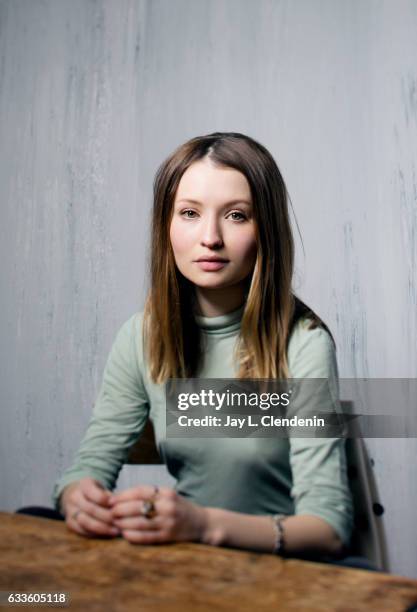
x,y
236,201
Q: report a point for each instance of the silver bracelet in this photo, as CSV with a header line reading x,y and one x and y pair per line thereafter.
x,y
279,533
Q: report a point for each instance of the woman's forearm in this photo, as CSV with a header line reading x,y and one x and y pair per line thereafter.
x,y
302,533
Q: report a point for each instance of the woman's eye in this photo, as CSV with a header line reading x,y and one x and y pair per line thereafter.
x,y
240,216
186,214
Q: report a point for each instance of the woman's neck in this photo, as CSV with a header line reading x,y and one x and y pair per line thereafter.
x,y
217,302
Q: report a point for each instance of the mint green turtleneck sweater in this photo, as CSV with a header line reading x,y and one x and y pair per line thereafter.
x,y
250,475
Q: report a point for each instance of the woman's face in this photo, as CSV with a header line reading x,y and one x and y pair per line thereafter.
x,y
213,218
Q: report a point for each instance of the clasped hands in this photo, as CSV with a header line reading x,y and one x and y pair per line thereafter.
x,y
91,510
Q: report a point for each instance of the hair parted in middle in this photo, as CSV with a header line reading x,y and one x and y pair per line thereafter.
x,y
171,334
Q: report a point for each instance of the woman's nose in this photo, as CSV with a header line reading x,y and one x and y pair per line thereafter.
x,y
211,234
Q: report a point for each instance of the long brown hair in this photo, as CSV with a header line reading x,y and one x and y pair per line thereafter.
x,y
172,336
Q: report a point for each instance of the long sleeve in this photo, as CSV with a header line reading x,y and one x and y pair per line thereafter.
x,y
119,415
320,484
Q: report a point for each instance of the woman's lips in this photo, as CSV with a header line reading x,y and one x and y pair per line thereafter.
x,y
211,266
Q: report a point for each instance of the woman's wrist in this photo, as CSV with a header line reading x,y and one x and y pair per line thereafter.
x,y
211,532
301,533
228,528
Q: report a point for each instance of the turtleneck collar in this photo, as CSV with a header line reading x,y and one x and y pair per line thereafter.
x,y
223,324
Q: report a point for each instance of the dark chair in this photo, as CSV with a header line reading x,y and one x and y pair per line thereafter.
x,y
368,539
144,451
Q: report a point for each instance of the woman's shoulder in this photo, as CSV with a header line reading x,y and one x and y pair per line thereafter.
x,y
131,326
307,328
129,337
311,348
307,331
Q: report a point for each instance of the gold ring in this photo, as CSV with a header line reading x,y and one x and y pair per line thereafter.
x,y
75,514
148,509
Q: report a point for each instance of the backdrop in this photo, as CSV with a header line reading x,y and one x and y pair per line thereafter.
x,y
95,94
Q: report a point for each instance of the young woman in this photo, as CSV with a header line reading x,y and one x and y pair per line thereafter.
x,y
220,305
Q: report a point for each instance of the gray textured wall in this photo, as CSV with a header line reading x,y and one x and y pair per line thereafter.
x,y
95,94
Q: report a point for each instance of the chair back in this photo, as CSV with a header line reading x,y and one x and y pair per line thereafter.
x,y
144,450
368,539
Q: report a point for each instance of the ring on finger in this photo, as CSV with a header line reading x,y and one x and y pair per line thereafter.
x,y
75,514
148,509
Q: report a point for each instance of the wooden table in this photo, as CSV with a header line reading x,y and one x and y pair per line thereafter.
x,y
40,555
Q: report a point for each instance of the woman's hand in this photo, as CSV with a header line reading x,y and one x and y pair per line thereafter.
x,y
175,517
85,504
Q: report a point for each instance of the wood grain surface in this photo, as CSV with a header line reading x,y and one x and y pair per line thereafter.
x,y
41,555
